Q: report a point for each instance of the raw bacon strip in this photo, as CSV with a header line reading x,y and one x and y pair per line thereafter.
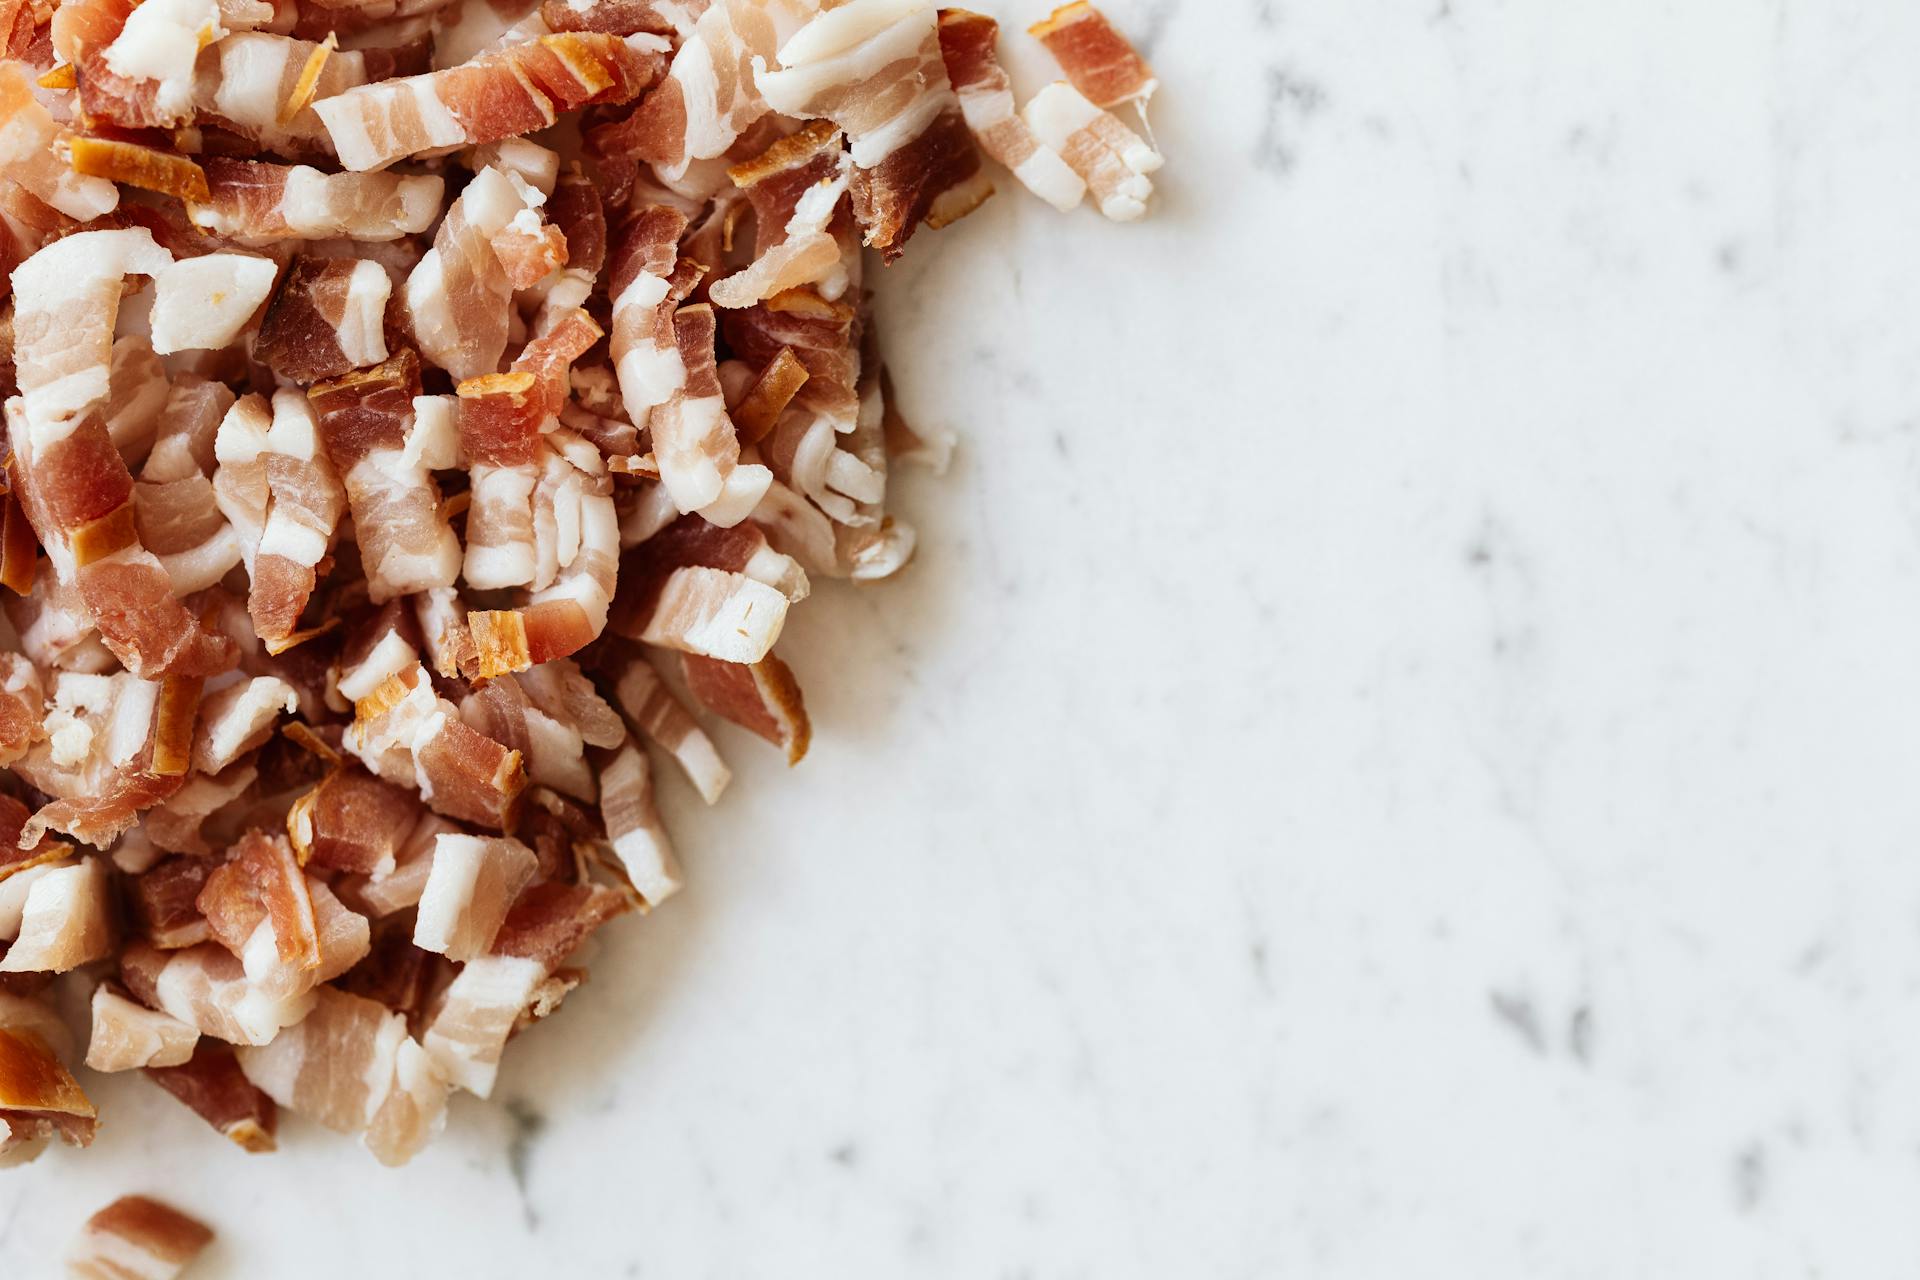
x,y
65,921
204,986
126,1035
498,95
1113,159
652,709
634,829
29,142
476,1016
326,320
472,883
38,1095
762,696
135,1238
1102,64
237,718
280,492
212,1086
366,425
165,906
352,822
693,439
352,1066
261,204
408,734
457,297
874,68
796,187
967,41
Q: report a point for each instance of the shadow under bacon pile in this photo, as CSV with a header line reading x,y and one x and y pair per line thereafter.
x,y
386,485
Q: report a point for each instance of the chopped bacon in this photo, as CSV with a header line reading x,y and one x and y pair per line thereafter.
x,y
575,207
146,167
760,696
1114,160
472,883
396,890
367,423
137,394
611,17
212,1086
352,822
693,438
165,905
38,1095
176,824
797,187
1102,64
65,920
262,888
237,718
126,1035
967,43
281,494
29,153
115,745
205,986
407,733
15,859
702,589
651,707
634,828
874,68
135,1238
514,90
551,920
457,297
477,1014
258,203
243,84
326,320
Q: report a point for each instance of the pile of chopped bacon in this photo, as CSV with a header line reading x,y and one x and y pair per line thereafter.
x,y
415,416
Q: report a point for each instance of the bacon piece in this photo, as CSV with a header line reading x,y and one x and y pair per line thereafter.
x,y
796,187
213,1087
67,298
551,920
261,204
610,17
874,68
645,353
13,858
22,707
477,1014
237,718
511,91
55,629
29,153
176,512
472,883
702,589
367,425
126,1035
135,1238
64,921
650,706
633,826
165,906
261,887
967,44
693,439
19,548
407,733
394,891
38,1095
1102,64
115,745
396,973
243,84
205,986
148,168
137,394
351,1066
760,407
175,824
352,822
281,494
549,714
457,297
575,207
1114,160
326,320
761,696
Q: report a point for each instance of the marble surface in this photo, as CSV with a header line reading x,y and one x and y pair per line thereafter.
x,y
1395,758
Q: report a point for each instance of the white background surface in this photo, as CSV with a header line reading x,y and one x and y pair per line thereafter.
x,y
1396,757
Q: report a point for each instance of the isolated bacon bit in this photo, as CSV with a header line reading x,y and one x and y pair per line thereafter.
x,y
211,1085
137,166
135,1238
761,696
1101,63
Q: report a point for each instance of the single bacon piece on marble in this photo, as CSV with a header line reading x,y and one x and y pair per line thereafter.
x,y
761,696
212,1086
1114,160
967,44
281,495
256,202
477,1013
651,707
135,1238
1102,64
370,431
470,886
126,1035
327,319
511,91
874,68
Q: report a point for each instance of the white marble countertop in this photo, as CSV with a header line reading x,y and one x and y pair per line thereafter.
x,y
1396,757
